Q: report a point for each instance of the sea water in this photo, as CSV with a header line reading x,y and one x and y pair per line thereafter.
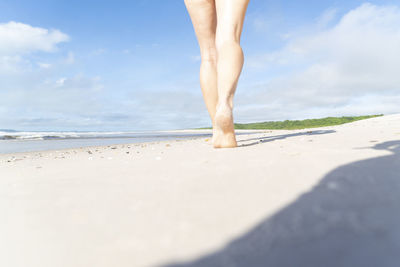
x,y
15,141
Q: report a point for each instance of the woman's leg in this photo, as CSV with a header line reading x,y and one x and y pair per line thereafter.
x,y
230,17
204,19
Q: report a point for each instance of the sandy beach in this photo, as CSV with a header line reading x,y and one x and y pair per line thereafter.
x,y
317,197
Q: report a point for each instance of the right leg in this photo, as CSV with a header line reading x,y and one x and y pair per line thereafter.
x,y
230,16
204,19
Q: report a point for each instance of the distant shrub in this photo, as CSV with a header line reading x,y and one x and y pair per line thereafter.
x,y
301,124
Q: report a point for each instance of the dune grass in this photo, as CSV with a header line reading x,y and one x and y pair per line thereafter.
x,y
300,124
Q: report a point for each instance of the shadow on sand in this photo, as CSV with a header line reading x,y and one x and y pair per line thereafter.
x,y
265,139
350,219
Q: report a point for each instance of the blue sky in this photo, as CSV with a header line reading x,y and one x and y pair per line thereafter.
x,y
133,65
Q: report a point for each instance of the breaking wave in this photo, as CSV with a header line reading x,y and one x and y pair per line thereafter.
x,y
62,135
14,135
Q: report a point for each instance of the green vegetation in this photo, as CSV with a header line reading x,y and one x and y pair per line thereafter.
x,y
300,124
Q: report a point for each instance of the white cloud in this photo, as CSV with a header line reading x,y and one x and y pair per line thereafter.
x,y
12,64
37,102
18,41
19,38
70,58
326,18
61,81
98,52
44,65
349,68
261,24
195,58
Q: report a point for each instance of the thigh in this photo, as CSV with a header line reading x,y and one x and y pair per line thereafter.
x,y
204,19
230,16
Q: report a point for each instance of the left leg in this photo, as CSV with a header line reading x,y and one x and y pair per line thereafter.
x,y
204,19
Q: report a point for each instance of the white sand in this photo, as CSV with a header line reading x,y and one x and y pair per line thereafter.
x,y
166,201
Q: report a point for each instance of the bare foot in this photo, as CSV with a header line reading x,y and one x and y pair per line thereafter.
x,y
223,131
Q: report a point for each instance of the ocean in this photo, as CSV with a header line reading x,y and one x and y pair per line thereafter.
x,y
15,141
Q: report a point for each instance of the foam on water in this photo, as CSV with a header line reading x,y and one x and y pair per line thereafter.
x,y
14,141
64,135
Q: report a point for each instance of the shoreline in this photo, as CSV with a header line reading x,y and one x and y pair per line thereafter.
x,y
112,141
60,153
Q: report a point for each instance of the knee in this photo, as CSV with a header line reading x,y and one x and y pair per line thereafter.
x,y
209,55
226,42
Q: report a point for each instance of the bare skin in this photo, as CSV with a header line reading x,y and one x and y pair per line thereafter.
x,y
218,25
